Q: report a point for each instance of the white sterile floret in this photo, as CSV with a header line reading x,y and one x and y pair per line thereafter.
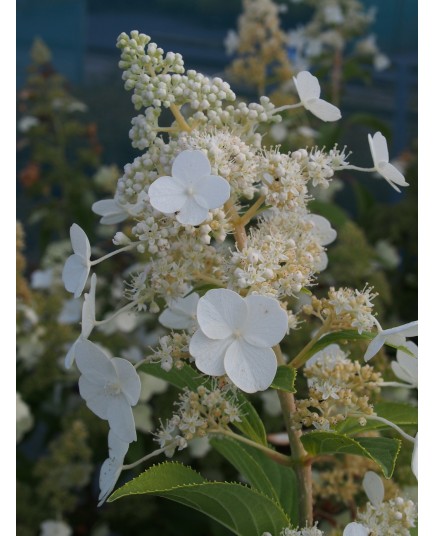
x,y
355,529
405,367
191,191
112,466
87,320
236,335
77,266
374,488
112,212
181,313
309,90
380,156
324,230
396,336
110,386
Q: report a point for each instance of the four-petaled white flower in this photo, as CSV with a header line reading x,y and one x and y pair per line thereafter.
x,y
110,387
191,191
309,90
326,235
87,321
235,337
112,466
181,313
395,336
355,529
77,266
374,488
380,156
112,212
405,366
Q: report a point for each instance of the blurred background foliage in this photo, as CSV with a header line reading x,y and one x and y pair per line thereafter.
x,y
70,153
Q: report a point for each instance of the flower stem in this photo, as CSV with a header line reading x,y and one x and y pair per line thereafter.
x,y
123,309
180,118
272,454
356,168
147,457
101,259
301,357
238,226
302,462
287,107
251,212
392,425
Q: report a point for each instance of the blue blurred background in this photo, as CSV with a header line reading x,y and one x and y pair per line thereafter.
x,y
82,35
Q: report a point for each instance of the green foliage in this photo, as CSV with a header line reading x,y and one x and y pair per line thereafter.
x,y
396,412
383,451
262,473
244,511
285,379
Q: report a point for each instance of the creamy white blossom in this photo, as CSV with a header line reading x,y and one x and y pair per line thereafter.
x,y
355,529
235,337
309,90
87,320
191,191
396,336
77,266
374,488
112,466
380,156
110,387
406,366
180,313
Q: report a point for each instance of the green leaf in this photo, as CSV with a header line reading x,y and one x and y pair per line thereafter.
x,y
346,335
274,480
337,336
251,424
244,511
381,450
398,413
285,379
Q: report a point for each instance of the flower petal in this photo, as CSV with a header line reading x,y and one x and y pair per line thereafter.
x,y
379,150
307,86
323,109
74,275
120,418
212,192
191,213
88,310
406,330
375,346
70,356
117,447
181,313
95,397
324,230
79,241
209,353
190,165
401,373
109,475
355,529
267,322
374,488
95,364
392,175
250,368
221,312
129,379
167,194
110,211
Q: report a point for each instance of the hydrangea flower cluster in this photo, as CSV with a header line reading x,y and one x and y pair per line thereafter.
x,y
199,413
338,388
223,243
